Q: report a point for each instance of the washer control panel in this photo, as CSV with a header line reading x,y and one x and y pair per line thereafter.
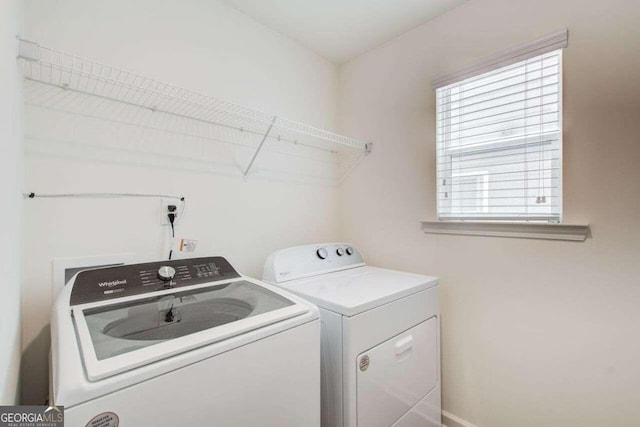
x,y
127,280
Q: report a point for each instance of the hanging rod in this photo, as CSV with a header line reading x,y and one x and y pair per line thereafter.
x,y
101,195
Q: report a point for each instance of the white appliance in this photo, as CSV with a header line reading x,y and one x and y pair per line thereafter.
x,y
183,343
380,335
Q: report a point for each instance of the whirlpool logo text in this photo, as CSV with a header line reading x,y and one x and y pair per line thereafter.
x,y
112,283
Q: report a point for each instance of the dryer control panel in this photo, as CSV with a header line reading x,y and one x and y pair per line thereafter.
x,y
310,260
127,280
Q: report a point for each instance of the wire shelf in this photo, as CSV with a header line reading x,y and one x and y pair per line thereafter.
x,y
68,72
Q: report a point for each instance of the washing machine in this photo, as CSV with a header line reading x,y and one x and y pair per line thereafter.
x,y
380,335
188,342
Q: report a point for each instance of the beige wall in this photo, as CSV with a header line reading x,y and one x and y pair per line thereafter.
x,y
202,45
10,193
535,333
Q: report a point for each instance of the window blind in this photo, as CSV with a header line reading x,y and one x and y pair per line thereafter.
x,y
499,143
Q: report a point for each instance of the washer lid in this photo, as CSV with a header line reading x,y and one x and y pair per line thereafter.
x,y
119,335
353,291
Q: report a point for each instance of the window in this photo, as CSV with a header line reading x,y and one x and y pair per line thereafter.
x,y
499,143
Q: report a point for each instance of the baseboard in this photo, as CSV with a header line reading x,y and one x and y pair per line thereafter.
x,y
450,420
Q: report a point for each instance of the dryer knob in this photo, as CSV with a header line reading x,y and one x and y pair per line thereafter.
x,y
322,253
166,273
340,251
349,250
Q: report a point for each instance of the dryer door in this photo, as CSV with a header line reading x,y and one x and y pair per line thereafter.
x,y
396,374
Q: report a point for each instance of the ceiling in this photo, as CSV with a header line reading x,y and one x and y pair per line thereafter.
x,y
340,30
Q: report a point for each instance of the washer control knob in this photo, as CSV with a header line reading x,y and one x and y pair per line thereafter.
x,y
322,253
340,251
349,250
166,273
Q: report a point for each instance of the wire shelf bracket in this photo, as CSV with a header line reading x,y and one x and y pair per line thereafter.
x,y
255,154
69,72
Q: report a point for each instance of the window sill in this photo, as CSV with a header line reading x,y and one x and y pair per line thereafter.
x,y
522,230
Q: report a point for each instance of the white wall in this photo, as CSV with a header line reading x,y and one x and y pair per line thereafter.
x,y
199,44
10,194
535,333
